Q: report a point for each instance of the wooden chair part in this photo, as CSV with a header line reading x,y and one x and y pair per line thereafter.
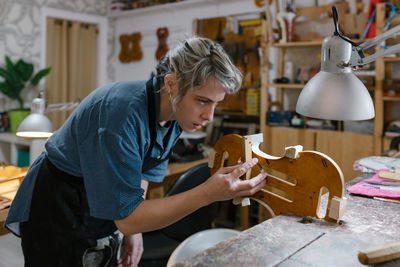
x,y
295,181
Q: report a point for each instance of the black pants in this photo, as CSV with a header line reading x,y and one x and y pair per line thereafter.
x,y
60,231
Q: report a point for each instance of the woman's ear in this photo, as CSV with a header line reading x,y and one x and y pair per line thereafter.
x,y
170,84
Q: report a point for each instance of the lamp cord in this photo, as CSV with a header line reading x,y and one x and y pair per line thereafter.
x,y
337,31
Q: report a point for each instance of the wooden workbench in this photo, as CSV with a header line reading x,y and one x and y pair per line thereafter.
x,y
173,171
286,240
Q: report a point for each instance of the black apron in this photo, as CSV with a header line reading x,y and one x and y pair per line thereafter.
x,y
60,230
149,162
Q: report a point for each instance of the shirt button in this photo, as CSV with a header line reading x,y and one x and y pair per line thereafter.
x,y
158,157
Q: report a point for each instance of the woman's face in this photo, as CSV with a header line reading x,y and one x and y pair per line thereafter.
x,y
196,108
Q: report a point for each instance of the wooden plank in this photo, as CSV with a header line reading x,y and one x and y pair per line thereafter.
x,y
380,253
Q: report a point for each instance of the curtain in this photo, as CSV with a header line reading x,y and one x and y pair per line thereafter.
x,y
71,54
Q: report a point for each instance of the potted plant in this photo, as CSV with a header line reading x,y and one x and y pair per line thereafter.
x,y
17,77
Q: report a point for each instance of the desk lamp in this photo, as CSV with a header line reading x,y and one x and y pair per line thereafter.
x,y
335,93
36,124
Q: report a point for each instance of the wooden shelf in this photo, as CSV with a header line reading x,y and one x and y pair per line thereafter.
x,y
300,86
305,43
391,59
168,7
391,98
287,85
297,44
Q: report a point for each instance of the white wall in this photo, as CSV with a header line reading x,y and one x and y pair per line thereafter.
x,y
179,23
20,33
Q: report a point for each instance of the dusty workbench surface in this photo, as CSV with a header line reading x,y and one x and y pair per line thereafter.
x,y
290,240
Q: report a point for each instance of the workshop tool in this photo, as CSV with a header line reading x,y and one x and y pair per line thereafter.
x,y
290,17
380,254
282,24
383,187
268,16
296,182
369,30
384,183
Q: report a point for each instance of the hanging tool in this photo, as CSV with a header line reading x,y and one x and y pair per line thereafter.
x,y
369,30
282,24
290,17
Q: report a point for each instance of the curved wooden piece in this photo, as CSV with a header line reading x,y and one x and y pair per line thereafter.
x,y
130,47
162,49
294,183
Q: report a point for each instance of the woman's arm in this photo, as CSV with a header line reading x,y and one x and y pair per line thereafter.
x,y
132,245
223,185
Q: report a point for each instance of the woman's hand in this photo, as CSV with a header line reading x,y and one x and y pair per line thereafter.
x,y
226,183
131,250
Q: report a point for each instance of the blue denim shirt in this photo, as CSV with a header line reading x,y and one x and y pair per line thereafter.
x,y
105,141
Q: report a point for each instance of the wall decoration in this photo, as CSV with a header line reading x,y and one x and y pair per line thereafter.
x,y
162,49
130,47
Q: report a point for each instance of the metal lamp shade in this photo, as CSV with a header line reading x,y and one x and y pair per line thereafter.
x,y
335,96
36,124
335,93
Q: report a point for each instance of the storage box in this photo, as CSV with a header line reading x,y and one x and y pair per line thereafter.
x,y
252,102
23,158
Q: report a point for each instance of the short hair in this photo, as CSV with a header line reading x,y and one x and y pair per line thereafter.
x,y
193,61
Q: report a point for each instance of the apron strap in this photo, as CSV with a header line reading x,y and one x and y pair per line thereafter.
x,y
149,162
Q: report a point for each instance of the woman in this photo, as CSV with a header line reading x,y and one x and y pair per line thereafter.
x,y
89,185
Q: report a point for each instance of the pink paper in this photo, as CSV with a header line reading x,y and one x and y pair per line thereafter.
x,y
360,189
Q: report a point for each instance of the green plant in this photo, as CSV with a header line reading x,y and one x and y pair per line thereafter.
x,y
19,76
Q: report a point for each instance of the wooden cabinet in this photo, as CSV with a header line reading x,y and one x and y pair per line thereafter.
x,y
343,147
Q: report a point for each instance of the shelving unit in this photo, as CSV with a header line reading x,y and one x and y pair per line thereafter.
x,y
187,4
382,103
10,144
343,147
